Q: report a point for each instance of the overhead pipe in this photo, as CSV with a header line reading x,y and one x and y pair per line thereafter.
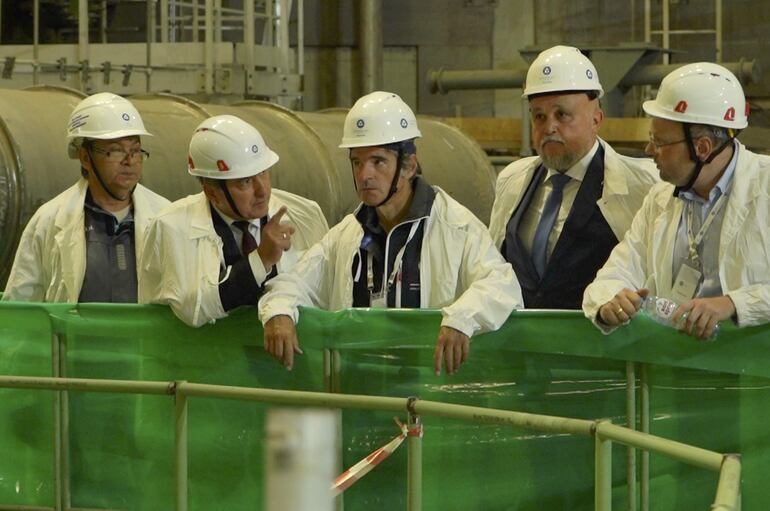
x,y
370,45
443,81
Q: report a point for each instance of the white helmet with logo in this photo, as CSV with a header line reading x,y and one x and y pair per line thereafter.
x,y
226,147
701,93
103,116
561,68
377,119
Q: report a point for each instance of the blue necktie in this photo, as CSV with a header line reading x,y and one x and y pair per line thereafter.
x,y
550,212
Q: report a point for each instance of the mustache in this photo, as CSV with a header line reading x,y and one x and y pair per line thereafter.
x,y
551,138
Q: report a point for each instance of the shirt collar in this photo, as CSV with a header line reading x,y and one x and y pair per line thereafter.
x,y
579,169
722,185
229,221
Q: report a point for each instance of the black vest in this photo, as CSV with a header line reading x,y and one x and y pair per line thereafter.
x,y
583,247
240,288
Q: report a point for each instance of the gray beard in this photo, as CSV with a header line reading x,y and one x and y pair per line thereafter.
x,y
560,163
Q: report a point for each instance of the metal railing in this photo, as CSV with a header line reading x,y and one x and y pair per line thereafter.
x,y
270,67
604,432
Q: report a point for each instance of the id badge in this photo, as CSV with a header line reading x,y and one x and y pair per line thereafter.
x,y
378,301
685,284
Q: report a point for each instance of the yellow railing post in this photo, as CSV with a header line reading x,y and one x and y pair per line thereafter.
x,y
414,457
631,424
180,409
602,472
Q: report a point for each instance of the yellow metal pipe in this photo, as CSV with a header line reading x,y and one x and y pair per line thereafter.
x,y
293,397
523,420
602,473
692,455
89,385
729,486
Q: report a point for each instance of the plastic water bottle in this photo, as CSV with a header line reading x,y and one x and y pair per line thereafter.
x,y
661,310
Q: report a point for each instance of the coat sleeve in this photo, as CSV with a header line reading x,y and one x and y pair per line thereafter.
x,y
29,277
307,284
171,274
625,268
752,304
490,290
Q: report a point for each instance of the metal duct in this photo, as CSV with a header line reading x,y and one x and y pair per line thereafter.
x,y
443,81
34,166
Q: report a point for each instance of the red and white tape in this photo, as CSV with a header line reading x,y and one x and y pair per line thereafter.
x,y
349,477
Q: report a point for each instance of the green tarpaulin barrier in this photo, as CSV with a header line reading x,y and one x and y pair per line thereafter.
x,y
711,395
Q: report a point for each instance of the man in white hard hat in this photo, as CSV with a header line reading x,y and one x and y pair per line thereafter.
x,y
82,245
701,238
209,253
408,245
557,216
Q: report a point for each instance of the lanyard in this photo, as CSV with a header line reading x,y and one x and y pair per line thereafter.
x,y
693,240
396,271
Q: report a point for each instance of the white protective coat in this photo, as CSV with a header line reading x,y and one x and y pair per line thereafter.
x,y
626,182
461,272
50,262
644,258
183,254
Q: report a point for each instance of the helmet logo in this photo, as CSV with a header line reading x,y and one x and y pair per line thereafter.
x,y
222,166
254,149
404,124
589,74
126,117
730,114
547,70
360,123
78,121
681,107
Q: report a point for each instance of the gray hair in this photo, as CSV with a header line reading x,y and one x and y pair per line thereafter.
x,y
716,134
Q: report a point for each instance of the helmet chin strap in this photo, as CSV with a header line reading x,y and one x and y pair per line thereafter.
x,y
101,181
230,201
699,164
396,175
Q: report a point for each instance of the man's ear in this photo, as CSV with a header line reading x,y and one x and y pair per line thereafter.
x,y
703,147
409,168
597,117
85,160
209,190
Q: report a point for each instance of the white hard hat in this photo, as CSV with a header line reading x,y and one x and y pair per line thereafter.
x,y
701,93
379,118
103,116
226,147
561,68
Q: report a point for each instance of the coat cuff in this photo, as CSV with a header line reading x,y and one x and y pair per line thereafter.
x,y
257,268
457,324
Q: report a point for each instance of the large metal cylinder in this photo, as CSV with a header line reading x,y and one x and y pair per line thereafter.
x,y
34,166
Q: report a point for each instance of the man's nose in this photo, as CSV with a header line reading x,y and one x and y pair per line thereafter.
x,y
649,149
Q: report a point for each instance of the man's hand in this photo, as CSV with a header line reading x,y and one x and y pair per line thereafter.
x,y
275,239
702,315
453,347
622,307
281,340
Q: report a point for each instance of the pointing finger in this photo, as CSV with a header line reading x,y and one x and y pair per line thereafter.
x,y
276,219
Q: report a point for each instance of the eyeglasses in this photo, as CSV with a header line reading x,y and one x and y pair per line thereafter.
x,y
658,145
119,155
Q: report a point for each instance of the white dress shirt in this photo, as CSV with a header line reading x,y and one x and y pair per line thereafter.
x,y
532,216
